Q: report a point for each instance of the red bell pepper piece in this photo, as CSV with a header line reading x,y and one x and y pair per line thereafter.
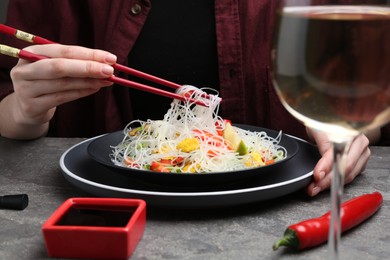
x,y
220,128
159,167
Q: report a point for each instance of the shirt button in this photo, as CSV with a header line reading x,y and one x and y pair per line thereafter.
x,y
136,9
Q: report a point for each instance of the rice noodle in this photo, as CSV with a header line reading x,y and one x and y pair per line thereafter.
x,y
153,140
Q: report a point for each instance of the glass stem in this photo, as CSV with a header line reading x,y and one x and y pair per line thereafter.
x,y
339,162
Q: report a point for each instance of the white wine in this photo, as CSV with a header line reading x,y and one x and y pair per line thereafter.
x,y
332,65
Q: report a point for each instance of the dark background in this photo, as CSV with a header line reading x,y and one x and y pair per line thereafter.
x,y
3,10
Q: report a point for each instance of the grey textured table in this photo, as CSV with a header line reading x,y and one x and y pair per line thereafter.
x,y
241,232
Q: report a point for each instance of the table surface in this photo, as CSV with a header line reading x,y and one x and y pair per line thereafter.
x,y
239,232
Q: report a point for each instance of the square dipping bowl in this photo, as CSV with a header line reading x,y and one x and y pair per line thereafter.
x,y
95,228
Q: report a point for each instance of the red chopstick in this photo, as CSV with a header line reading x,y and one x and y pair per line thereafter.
x,y
23,35
39,40
23,54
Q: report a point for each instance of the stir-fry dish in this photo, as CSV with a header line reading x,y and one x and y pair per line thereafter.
x,y
194,139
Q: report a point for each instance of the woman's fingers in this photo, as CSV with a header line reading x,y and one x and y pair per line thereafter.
x,y
357,158
65,62
322,173
71,72
62,67
72,52
29,78
35,88
46,96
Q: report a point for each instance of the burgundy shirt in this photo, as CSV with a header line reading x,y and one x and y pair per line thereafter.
x,y
243,34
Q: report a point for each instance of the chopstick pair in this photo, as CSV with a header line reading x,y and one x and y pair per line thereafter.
x,y
22,54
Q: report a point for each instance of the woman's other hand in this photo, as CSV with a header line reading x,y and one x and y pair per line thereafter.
x,y
357,158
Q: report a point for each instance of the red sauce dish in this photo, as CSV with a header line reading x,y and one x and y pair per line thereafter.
x,y
95,228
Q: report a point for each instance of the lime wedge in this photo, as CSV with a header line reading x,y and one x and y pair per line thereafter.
x,y
242,149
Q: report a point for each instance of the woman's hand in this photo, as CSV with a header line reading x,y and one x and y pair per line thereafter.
x,y
71,73
357,158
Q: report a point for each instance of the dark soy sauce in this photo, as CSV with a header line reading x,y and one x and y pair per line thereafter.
x,y
101,217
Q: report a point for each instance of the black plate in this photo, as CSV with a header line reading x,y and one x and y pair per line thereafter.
x,y
94,178
101,148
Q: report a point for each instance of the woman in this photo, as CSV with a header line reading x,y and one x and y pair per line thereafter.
x,y
224,45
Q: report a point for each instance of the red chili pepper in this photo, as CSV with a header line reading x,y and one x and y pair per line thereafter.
x,y
313,232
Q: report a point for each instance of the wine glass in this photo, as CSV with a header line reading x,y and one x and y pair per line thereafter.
x,y
331,70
